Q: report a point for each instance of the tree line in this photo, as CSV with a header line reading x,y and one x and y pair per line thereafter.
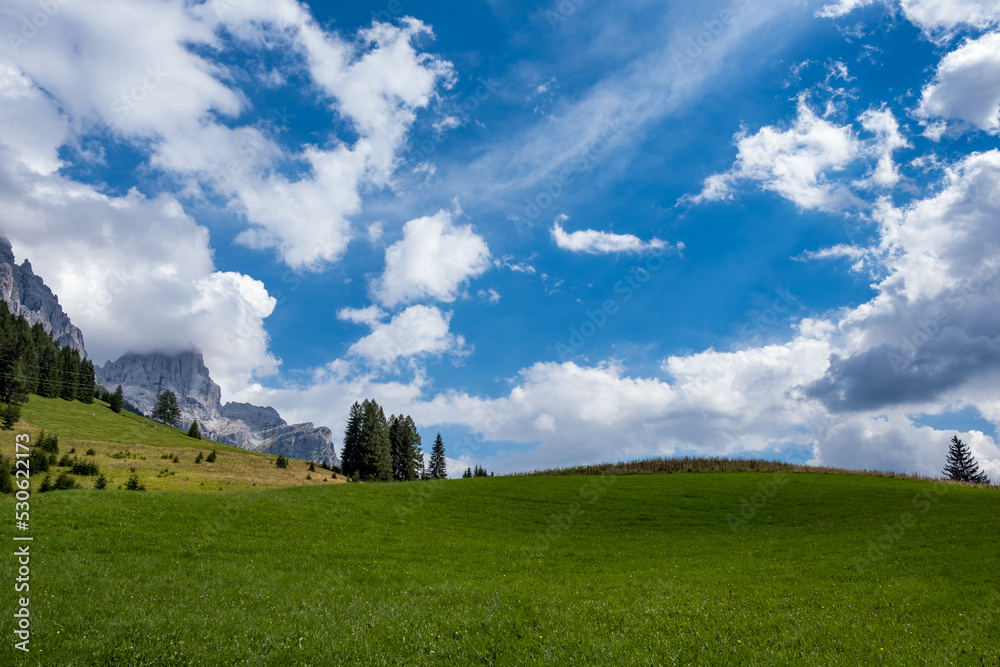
x,y
377,449
33,362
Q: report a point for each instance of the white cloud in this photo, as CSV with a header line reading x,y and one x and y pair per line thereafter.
x,y
135,72
794,162
802,163
433,260
137,275
966,86
595,242
418,330
370,315
941,17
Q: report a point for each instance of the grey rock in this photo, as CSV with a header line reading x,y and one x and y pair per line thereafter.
x,y
241,424
28,296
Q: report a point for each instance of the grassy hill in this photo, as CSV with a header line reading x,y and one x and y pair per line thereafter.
x,y
776,567
124,443
714,569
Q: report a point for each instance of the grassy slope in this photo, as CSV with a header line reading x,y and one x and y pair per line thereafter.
x,y
96,427
534,570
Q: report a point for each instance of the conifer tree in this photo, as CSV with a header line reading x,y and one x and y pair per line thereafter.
x,y
49,373
349,461
194,431
407,457
281,461
69,366
87,384
438,468
116,399
375,464
166,409
962,465
467,474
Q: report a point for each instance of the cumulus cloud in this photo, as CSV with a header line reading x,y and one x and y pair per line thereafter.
x,y
802,163
966,86
595,243
418,330
433,260
137,73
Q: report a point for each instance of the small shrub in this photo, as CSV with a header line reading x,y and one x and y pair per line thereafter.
x,y
166,472
37,461
281,461
10,414
91,452
65,461
176,459
101,482
85,468
211,457
72,450
48,442
133,484
166,456
309,476
312,467
198,458
131,469
6,476
335,469
66,481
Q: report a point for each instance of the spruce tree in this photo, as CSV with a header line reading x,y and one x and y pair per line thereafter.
x,y
467,474
166,409
352,438
87,384
438,466
194,431
281,461
407,457
50,373
116,399
962,465
375,464
69,366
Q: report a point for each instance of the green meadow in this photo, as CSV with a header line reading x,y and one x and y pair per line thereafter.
x,y
692,568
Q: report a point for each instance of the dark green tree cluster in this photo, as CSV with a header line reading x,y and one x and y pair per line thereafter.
x,y
32,362
478,471
377,449
962,465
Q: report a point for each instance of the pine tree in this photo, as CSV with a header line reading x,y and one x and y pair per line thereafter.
x,y
198,458
962,465
87,384
166,409
467,474
349,461
69,366
116,399
438,466
49,374
101,482
375,464
281,461
407,457
194,431
211,457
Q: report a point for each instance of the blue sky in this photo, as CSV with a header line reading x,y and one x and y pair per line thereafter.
x,y
558,232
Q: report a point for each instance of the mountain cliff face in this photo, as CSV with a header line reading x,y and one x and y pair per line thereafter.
x,y
241,424
26,295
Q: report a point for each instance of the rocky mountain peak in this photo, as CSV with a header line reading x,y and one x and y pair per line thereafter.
x,y
28,296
